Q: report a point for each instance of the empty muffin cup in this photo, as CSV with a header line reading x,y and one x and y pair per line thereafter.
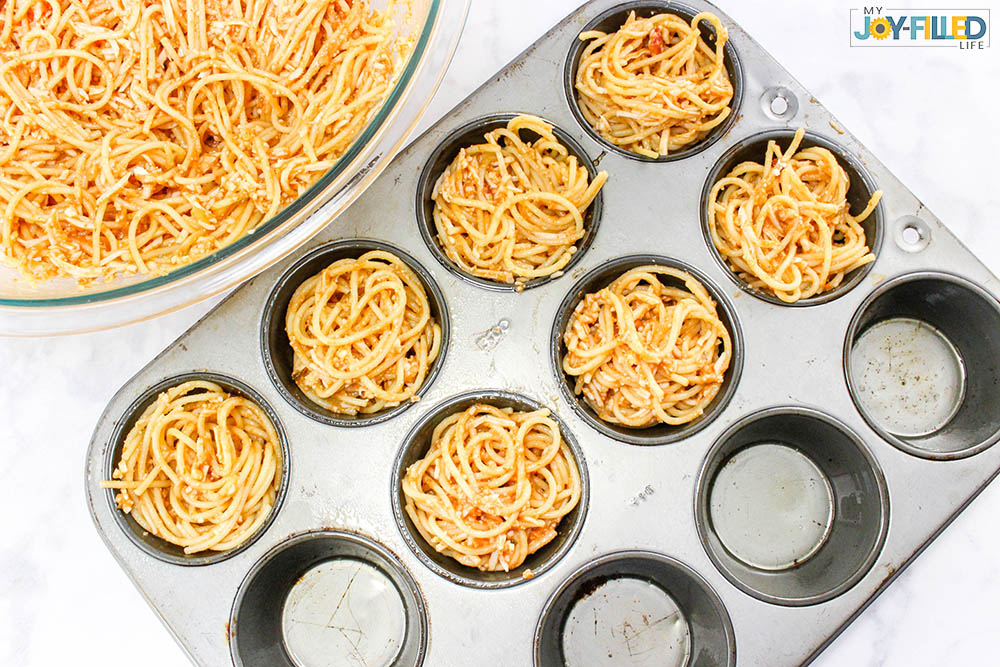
x,y
470,134
156,546
920,358
415,447
634,609
862,187
791,506
328,598
611,21
276,349
658,434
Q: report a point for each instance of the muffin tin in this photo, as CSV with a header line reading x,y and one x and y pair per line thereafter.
x,y
656,557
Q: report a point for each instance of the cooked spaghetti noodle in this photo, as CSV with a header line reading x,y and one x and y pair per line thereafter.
x,y
362,333
509,210
200,468
493,486
785,226
645,352
136,137
655,85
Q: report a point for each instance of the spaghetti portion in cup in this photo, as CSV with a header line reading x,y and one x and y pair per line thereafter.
x,y
200,468
785,226
363,334
654,86
509,210
493,486
644,351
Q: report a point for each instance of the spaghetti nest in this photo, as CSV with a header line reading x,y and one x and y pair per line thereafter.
x,y
362,333
785,226
654,86
200,468
645,352
136,137
509,210
493,486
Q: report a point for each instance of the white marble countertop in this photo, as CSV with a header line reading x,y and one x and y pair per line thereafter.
x,y
928,114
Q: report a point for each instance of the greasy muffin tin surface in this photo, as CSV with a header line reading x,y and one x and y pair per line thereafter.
x,y
640,498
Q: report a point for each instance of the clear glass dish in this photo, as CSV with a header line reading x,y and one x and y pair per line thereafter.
x,y
60,306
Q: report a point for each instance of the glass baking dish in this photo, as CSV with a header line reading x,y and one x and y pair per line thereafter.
x,y
61,306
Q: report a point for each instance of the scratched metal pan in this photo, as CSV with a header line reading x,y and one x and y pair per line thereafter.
x,y
752,537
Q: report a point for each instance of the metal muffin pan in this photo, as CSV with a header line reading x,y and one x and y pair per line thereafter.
x,y
643,499
388,621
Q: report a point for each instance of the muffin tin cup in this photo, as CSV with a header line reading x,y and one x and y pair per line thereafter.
x,y
415,447
470,134
859,506
610,21
659,434
754,149
158,547
277,351
708,632
259,635
953,360
635,498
